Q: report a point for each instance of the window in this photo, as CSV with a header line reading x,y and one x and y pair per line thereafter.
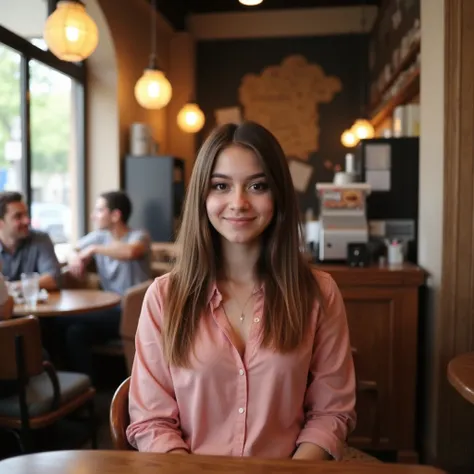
x,y
10,120
53,153
42,139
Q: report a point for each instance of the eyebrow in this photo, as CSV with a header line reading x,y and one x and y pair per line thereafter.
x,y
224,176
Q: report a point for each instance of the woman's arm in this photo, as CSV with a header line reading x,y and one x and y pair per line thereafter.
x,y
331,393
312,452
154,413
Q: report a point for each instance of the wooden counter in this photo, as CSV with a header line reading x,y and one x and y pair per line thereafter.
x,y
382,310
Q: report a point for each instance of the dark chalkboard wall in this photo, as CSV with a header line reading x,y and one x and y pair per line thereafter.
x,y
222,64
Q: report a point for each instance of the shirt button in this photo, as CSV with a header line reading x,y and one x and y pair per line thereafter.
x,y
241,410
256,320
241,372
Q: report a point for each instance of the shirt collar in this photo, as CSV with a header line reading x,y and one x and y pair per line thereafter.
x,y
21,243
214,296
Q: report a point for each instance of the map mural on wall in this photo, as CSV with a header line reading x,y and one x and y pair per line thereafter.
x,y
286,98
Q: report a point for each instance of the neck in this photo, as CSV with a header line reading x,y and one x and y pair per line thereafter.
x,y
119,230
240,262
8,243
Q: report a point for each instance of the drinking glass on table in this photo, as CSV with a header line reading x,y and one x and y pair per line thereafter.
x,y
30,288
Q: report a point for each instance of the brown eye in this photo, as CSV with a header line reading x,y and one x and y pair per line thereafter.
x,y
219,186
259,186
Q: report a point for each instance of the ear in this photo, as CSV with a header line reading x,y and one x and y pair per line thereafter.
x,y
116,216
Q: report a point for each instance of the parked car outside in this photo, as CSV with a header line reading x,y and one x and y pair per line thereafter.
x,y
53,218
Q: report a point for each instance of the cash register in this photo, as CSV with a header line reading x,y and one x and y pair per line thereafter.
x,y
343,226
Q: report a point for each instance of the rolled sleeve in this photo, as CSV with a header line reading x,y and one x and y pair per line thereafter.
x,y
47,262
92,238
140,236
331,393
154,413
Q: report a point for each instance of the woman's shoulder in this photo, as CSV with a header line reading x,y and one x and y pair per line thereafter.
x,y
326,284
161,283
155,298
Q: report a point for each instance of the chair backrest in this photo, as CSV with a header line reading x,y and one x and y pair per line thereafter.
x,y
12,331
119,417
131,308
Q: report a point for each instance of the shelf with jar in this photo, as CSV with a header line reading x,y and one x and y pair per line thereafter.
x,y
398,82
404,92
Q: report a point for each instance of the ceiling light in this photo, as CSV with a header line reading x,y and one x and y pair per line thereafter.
x,y
70,33
349,139
250,3
363,129
190,118
153,90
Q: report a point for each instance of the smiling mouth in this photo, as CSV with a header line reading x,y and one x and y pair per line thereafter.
x,y
238,220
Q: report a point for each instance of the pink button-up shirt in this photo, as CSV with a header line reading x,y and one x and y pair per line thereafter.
x,y
264,404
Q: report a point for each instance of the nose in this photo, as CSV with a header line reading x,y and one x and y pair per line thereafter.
x,y
239,200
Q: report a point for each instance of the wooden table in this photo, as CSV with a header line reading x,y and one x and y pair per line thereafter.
x,y
132,462
67,302
461,375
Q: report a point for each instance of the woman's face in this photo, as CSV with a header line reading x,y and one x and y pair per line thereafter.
x,y
239,204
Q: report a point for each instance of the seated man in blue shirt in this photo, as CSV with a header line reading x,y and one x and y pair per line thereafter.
x,y
23,250
122,257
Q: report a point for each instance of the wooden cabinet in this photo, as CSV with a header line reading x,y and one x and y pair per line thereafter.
x,y
382,311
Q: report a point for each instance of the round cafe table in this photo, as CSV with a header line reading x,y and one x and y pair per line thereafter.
x,y
461,375
133,462
67,302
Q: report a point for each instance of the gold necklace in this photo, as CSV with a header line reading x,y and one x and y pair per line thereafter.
x,y
242,311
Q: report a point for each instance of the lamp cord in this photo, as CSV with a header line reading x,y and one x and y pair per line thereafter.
x,y
153,57
363,65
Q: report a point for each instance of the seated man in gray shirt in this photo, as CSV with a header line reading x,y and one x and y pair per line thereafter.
x,y
23,250
122,257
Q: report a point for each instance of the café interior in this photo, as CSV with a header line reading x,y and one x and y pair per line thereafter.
x,y
380,89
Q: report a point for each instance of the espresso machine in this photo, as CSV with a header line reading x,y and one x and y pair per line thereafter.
x,y
343,226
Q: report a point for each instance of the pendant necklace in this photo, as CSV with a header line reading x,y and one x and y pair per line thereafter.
x,y
242,311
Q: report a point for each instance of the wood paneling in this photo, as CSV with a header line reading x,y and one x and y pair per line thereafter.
x,y
455,438
382,312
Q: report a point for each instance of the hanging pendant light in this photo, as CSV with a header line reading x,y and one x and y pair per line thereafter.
x,y
363,129
190,118
349,139
250,3
70,33
153,90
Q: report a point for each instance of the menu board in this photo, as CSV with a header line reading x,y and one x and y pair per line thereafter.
x,y
343,199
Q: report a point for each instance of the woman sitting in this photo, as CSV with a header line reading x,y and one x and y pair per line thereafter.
x,y
243,349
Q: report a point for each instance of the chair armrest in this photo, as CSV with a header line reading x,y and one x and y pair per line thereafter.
x,y
51,371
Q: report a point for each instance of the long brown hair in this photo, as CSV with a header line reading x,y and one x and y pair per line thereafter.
x,y
290,287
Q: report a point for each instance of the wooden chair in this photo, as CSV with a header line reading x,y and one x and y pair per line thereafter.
x,y
131,309
42,396
119,417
